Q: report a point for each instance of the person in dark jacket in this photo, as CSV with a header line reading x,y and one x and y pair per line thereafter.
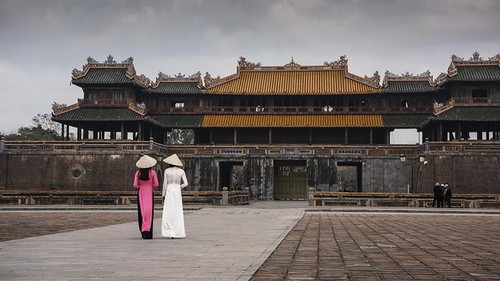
x,y
438,195
447,195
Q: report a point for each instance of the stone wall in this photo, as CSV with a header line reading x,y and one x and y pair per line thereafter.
x,y
67,171
467,173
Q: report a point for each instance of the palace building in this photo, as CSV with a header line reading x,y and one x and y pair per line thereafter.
x,y
279,130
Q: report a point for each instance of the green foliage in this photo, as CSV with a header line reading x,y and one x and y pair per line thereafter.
x,y
45,121
42,128
33,133
180,136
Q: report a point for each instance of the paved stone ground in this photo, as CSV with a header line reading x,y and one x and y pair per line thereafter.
x,y
22,224
264,241
361,246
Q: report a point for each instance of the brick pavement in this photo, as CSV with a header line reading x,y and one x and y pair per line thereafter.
x,y
387,246
23,224
342,244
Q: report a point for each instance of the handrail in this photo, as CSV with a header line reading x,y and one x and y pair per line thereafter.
x,y
257,149
438,108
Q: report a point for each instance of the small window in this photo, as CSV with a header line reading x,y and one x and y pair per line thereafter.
x,y
179,105
479,96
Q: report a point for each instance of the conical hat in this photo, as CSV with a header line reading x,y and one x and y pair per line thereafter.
x,y
145,162
173,160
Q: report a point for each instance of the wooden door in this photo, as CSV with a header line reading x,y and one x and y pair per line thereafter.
x,y
290,180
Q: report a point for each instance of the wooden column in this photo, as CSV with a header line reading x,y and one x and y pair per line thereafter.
x,y
123,131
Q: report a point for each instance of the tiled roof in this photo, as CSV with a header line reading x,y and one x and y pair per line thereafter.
x,y
176,121
176,88
405,121
477,73
108,72
282,121
466,113
293,82
99,114
104,76
408,87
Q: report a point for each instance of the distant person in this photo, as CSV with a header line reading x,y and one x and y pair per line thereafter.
x,y
145,181
172,225
438,195
447,195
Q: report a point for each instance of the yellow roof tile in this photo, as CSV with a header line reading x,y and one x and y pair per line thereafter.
x,y
283,121
293,82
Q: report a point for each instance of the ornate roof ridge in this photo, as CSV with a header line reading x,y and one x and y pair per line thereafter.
x,y
407,77
338,65
475,60
110,62
164,78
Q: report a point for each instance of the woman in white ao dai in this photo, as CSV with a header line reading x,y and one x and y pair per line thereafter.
x,y
172,225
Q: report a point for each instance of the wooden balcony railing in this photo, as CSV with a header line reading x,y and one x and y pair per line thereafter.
x,y
490,146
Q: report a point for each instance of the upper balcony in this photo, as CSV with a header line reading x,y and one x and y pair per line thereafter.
x,y
291,110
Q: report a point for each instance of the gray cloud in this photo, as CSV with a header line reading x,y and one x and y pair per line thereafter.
x,y
42,41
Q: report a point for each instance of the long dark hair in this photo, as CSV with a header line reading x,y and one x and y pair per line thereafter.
x,y
144,174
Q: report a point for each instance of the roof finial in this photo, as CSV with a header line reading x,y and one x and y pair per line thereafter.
x,y
292,63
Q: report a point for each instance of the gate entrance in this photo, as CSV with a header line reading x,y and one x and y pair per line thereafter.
x,y
349,176
231,175
290,180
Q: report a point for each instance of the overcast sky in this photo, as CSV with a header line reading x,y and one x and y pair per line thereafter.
x,y
42,41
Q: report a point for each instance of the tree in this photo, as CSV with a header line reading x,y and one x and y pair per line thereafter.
x,y
42,128
45,121
180,136
33,133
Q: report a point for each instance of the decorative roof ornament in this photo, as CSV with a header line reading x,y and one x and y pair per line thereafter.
x,y
424,76
111,63
375,79
196,75
292,63
210,81
443,77
495,57
456,62
456,58
342,62
128,61
162,77
91,60
110,60
142,79
476,57
242,62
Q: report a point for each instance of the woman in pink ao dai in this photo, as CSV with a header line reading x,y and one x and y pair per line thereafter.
x,y
145,180
172,225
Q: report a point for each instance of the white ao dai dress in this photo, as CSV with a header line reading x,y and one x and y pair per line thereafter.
x,y
172,225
